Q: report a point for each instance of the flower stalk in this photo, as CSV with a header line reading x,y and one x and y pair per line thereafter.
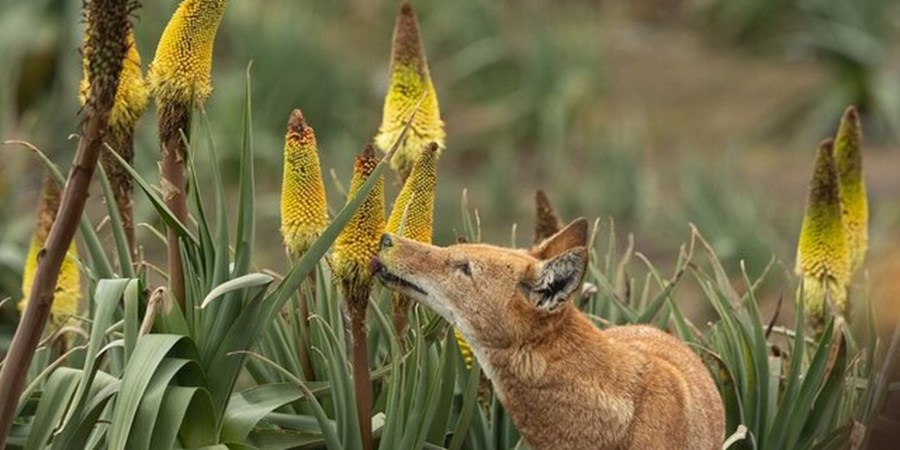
x,y
410,81
110,25
180,76
354,249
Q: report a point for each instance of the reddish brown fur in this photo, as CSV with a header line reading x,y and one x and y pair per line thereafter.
x,y
565,383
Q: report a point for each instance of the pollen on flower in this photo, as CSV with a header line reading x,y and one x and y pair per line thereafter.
x,y
358,241
823,254
304,212
181,69
409,80
413,213
848,159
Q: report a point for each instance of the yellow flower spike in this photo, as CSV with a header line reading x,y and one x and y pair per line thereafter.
x,y
68,287
413,211
132,95
823,254
409,80
848,159
357,243
546,222
304,213
181,70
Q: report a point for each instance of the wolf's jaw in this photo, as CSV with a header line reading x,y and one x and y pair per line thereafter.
x,y
394,281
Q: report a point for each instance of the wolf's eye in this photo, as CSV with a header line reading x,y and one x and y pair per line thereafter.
x,y
464,267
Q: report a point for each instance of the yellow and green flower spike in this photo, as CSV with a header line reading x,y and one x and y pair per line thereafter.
x,y
68,286
181,70
304,213
357,243
823,253
132,97
413,211
848,159
409,80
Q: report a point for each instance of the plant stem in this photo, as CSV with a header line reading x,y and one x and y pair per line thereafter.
x,y
400,317
305,359
173,119
361,376
50,259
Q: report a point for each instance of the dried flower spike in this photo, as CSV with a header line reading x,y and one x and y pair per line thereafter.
x,y
68,286
181,70
823,255
357,243
304,213
848,159
410,79
546,222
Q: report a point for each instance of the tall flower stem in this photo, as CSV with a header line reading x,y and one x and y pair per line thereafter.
x,y
180,76
110,26
361,376
173,119
354,249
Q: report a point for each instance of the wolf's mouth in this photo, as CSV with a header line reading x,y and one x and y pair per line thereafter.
x,y
392,280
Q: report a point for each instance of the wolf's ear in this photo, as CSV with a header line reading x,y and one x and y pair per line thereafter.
x,y
557,279
575,234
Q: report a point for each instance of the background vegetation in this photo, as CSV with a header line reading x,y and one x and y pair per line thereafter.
x,y
656,114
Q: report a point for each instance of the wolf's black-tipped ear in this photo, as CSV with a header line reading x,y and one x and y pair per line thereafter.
x,y
575,234
557,279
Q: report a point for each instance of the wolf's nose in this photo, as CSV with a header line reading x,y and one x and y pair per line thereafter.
x,y
385,241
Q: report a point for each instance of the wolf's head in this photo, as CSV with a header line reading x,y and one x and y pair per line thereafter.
x,y
495,296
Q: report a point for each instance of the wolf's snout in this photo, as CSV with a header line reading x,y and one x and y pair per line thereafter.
x,y
385,241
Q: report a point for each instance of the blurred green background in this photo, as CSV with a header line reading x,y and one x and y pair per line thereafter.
x,y
652,113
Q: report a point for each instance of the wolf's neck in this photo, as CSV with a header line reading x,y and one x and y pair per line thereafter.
x,y
550,350
539,381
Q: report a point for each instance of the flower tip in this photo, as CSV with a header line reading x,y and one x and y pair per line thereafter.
x,y
368,152
851,113
296,123
432,148
546,222
407,46
826,147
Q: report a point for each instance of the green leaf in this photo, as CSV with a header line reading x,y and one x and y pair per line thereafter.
x,y
146,360
115,221
57,395
470,402
247,408
164,213
235,284
106,298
